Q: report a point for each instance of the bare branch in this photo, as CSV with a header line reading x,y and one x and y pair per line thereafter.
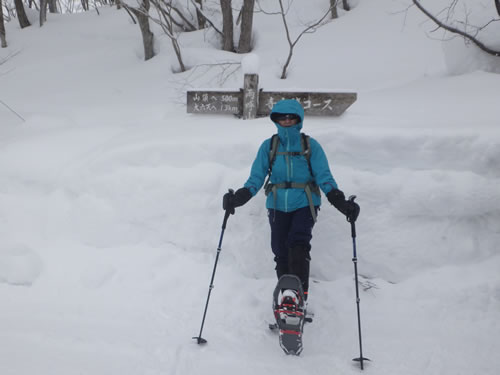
x,y
454,30
206,18
181,15
130,14
9,56
14,112
310,29
261,10
288,37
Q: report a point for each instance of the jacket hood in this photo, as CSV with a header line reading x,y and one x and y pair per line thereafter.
x,y
289,106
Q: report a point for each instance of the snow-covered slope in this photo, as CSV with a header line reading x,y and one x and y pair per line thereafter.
x,y
110,203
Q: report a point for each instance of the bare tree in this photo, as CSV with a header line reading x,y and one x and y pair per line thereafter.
x,y
142,15
199,14
227,33
227,25
245,43
21,14
309,29
53,6
345,5
166,22
455,30
3,40
43,11
333,7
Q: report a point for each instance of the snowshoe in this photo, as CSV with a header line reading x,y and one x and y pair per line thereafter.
x,y
289,312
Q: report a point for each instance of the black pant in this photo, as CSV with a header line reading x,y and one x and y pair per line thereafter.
x,y
291,234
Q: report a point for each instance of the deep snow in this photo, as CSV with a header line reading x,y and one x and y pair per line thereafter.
x,y
110,202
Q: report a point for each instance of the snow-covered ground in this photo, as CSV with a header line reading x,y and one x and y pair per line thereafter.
x,y
110,202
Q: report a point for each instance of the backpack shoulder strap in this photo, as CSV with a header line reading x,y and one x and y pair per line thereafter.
x,y
273,149
306,150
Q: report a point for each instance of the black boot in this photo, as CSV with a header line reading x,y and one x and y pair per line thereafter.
x,y
298,264
281,267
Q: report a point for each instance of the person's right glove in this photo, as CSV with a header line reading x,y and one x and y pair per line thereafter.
x,y
349,208
231,200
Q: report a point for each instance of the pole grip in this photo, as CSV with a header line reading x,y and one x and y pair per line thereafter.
x,y
353,226
228,212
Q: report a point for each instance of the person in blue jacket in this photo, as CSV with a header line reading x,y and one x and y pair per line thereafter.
x,y
292,189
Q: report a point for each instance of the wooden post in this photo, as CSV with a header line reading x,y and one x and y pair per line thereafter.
x,y
250,96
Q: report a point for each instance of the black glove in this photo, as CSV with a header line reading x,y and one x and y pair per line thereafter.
x,y
349,208
231,200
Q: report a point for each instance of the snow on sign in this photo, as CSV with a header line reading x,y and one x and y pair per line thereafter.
x,y
250,102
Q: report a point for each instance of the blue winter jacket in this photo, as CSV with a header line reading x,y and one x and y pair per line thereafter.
x,y
295,170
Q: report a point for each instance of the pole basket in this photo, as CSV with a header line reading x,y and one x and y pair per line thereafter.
x,y
200,340
361,360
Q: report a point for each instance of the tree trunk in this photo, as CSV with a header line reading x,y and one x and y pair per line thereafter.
x,y
199,15
227,25
147,35
245,44
3,41
333,6
21,14
497,5
53,6
85,4
345,4
177,50
288,60
43,12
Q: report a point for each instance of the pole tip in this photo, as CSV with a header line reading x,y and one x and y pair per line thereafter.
x,y
200,340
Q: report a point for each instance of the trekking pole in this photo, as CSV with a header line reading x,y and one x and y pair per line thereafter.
x,y
355,261
199,339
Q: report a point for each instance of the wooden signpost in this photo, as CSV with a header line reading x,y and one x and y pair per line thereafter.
x,y
250,102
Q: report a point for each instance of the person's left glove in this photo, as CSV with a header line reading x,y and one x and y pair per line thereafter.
x,y
349,208
232,199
